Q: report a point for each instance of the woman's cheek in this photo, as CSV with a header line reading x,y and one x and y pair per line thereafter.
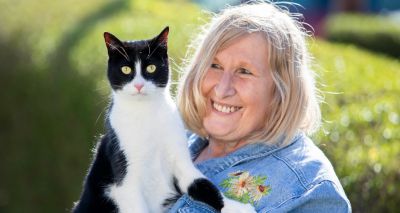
x,y
209,81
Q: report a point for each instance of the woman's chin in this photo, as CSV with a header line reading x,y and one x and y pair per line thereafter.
x,y
218,130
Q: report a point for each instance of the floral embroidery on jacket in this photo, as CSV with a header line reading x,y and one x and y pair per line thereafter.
x,y
245,188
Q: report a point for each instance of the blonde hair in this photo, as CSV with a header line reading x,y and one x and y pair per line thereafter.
x,y
295,104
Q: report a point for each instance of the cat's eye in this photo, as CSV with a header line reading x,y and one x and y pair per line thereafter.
x,y
126,70
151,68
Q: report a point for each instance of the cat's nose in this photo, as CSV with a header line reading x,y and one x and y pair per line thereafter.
x,y
138,87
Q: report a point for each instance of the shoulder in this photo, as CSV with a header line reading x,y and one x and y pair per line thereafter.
x,y
310,179
283,177
306,162
326,196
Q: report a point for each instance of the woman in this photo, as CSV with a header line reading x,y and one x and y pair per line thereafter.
x,y
249,98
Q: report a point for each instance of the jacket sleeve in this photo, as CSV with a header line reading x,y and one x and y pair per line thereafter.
x,y
322,197
185,204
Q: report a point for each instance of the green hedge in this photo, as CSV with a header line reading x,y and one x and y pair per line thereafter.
x,y
54,92
374,32
47,129
361,131
54,89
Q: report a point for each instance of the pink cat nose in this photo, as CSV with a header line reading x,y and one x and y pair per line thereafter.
x,y
138,87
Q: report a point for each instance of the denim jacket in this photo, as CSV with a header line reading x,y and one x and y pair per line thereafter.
x,y
295,178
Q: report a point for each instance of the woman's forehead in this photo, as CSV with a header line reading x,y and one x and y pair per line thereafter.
x,y
249,49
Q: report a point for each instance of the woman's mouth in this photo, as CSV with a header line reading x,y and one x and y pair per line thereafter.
x,y
224,108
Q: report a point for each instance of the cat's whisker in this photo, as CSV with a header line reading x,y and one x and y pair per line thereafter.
x,y
104,99
117,86
174,83
100,114
102,87
124,54
148,46
158,45
176,68
173,63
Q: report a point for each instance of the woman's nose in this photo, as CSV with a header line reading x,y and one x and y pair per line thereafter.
x,y
224,87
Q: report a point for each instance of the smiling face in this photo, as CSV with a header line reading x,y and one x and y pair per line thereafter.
x,y
238,89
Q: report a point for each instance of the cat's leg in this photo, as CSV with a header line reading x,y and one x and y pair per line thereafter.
x,y
93,197
233,206
191,181
188,179
203,190
127,200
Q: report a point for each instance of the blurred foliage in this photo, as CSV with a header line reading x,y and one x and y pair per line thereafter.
x,y
47,130
362,116
54,94
54,88
374,32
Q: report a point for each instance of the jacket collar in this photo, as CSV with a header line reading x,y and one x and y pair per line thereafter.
x,y
246,153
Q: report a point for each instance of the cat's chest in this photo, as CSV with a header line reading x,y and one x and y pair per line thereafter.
x,y
137,120
143,124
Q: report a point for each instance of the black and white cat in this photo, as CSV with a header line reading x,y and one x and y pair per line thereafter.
x,y
142,163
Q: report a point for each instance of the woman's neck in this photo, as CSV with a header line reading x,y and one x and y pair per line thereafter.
x,y
218,148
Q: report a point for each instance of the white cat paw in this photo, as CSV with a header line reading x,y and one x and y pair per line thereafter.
x,y
231,206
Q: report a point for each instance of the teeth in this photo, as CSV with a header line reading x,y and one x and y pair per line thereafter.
x,y
225,109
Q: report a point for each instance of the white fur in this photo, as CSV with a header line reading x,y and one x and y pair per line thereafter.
x,y
152,136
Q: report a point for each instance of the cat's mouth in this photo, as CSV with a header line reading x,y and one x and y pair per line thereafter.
x,y
224,108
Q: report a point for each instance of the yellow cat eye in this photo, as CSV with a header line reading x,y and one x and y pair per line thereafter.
x,y
151,68
126,70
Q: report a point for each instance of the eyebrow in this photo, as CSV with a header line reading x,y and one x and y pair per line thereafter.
x,y
242,63
215,59
247,64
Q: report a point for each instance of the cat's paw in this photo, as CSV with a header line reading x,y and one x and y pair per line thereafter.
x,y
231,206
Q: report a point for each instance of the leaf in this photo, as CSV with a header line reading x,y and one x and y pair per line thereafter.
x,y
227,183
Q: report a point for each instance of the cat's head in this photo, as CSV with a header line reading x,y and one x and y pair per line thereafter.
x,y
138,68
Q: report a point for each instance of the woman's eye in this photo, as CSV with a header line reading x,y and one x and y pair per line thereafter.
x,y
245,71
126,70
216,66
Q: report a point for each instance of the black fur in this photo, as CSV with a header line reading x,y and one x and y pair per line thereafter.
x,y
125,53
203,190
178,193
108,167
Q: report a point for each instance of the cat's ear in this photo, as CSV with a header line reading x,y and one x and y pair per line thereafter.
x,y
162,38
113,43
